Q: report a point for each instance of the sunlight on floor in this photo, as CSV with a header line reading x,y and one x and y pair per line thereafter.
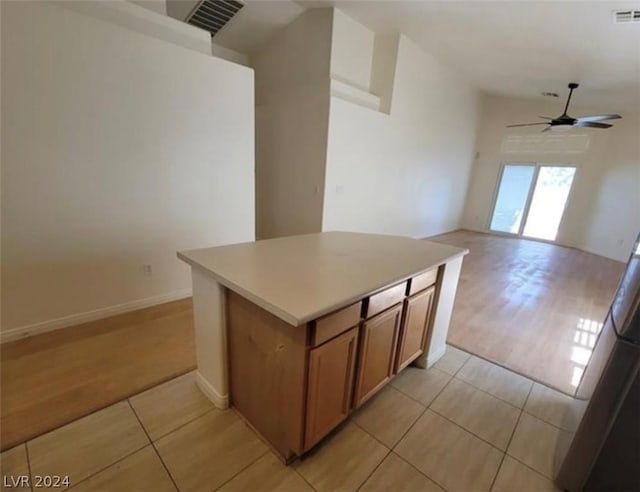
x,y
584,340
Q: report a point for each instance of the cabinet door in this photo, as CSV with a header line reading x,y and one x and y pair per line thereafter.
x,y
377,353
415,327
330,385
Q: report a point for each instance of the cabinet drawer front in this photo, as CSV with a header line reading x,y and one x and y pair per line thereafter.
x,y
333,324
422,281
330,385
377,353
385,299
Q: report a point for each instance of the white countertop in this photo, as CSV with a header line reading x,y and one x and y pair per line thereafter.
x,y
300,278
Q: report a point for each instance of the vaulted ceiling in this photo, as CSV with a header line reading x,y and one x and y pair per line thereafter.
x,y
513,48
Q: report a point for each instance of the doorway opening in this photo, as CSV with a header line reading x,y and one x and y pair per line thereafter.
x,y
531,199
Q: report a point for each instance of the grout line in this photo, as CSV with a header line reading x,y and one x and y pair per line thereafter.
x,y
421,414
99,470
253,431
302,477
467,430
26,448
529,467
108,466
548,423
517,373
425,408
439,393
526,400
542,419
463,364
411,397
100,408
513,432
374,469
181,425
420,471
369,433
491,394
243,469
504,454
421,402
153,446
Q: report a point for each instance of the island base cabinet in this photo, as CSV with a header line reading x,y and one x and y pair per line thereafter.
x,y
295,384
267,374
330,385
377,353
414,336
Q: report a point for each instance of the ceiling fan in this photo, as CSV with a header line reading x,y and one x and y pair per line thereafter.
x,y
564,121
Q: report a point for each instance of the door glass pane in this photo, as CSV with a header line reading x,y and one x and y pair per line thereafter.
x,y
512,198
548,202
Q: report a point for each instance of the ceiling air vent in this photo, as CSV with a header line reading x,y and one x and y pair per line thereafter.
x,y
213,15
626,16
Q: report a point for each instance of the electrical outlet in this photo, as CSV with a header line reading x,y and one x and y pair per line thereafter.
x,y
147,269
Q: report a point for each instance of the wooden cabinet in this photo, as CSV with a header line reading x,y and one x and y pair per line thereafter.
x,y
330,384
333,324
295,384
422,281
385,299
414,334
377,353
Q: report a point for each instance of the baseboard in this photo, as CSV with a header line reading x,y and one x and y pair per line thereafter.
x,y
221,402
76,319
435,356
457,229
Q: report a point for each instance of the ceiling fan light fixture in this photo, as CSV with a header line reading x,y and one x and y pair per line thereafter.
x,y
564,122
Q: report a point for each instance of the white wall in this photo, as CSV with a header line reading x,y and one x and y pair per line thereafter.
x,y
132,16
351,51
614,214
292,104
603,212
404,173
158,6
230,55
118,149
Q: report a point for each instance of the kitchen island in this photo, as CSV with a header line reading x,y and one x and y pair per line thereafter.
x,y
298,332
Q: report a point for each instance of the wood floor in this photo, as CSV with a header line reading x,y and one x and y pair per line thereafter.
x,y
52,379
530,306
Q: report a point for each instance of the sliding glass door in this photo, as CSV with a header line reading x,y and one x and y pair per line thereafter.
x,y
531,199
512,199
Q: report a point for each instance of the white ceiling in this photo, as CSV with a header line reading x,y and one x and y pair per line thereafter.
x,y
513,48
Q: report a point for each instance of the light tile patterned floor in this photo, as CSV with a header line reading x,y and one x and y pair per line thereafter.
x,y
446,428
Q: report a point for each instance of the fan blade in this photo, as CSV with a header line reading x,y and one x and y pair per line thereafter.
x,y
599,117
545,117
591,124
527,124
546,129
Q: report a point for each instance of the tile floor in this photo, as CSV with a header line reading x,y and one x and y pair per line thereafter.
x,y
464,425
